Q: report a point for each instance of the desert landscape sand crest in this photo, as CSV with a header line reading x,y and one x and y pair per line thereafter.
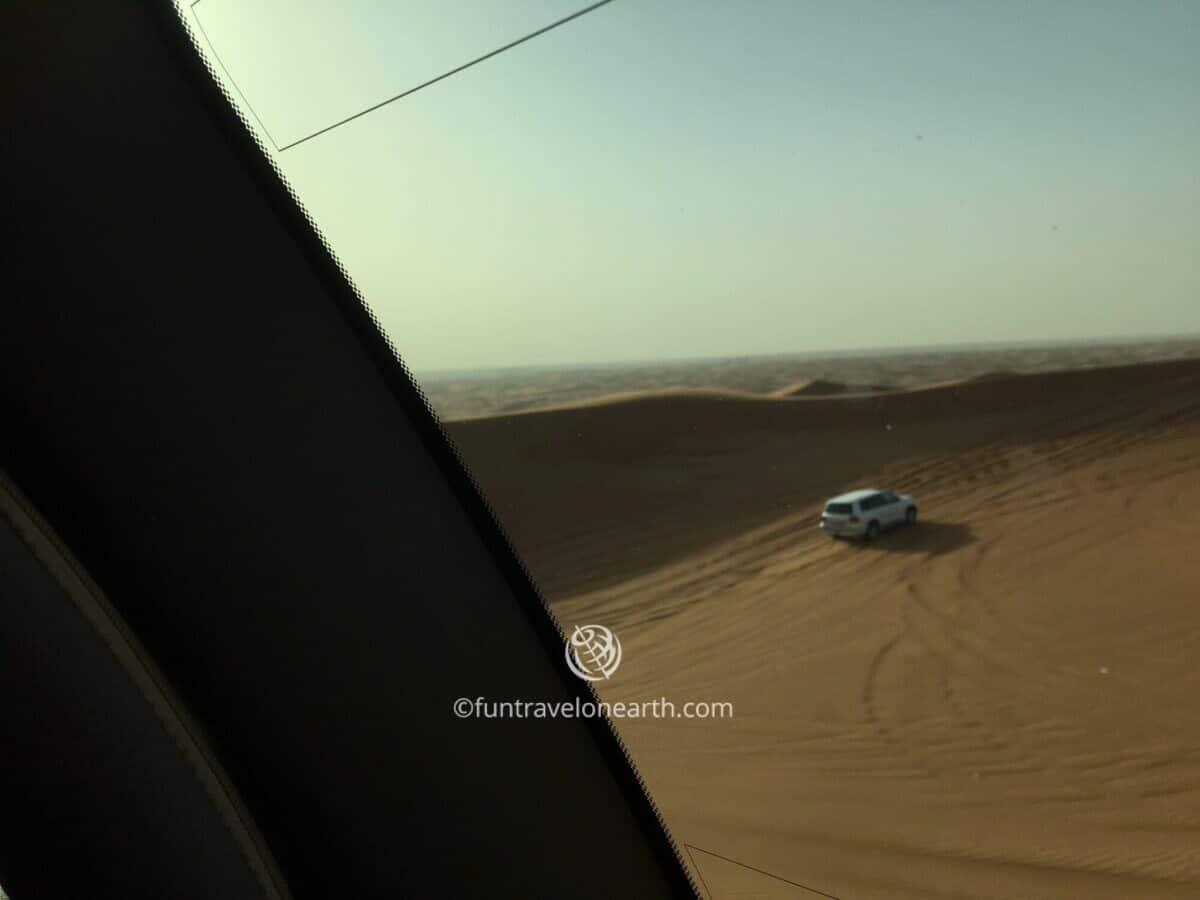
x,y
1001,702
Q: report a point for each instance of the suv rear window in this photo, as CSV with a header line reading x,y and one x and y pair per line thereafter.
x,y
839,509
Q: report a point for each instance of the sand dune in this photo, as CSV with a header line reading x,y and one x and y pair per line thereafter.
x,y
997,703
482,392
821,387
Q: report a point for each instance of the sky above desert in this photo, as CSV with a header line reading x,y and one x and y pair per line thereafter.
x,y
663,180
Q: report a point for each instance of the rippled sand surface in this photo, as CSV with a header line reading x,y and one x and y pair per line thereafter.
x,y
1000,702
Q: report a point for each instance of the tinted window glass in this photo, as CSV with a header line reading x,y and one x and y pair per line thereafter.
x,y
606,322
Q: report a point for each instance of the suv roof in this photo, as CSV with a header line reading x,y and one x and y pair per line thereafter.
x,y
851,496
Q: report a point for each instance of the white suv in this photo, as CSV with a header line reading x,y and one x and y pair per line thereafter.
x,y
865,513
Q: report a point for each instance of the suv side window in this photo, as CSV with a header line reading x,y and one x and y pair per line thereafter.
x,y
869,503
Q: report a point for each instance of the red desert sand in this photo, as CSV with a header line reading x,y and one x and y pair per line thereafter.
x,y
1001,702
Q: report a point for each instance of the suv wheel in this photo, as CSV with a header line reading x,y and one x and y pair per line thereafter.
x,y
872,531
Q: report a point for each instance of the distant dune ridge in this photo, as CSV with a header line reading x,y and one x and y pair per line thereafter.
x,y
820,387
997,703
470,394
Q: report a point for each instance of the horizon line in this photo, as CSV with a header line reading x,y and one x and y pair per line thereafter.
x,y
812,354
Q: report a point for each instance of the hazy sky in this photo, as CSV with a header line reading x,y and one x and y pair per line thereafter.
x,y
665,179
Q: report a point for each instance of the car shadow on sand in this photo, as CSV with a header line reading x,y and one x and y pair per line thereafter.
x,y
928,537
